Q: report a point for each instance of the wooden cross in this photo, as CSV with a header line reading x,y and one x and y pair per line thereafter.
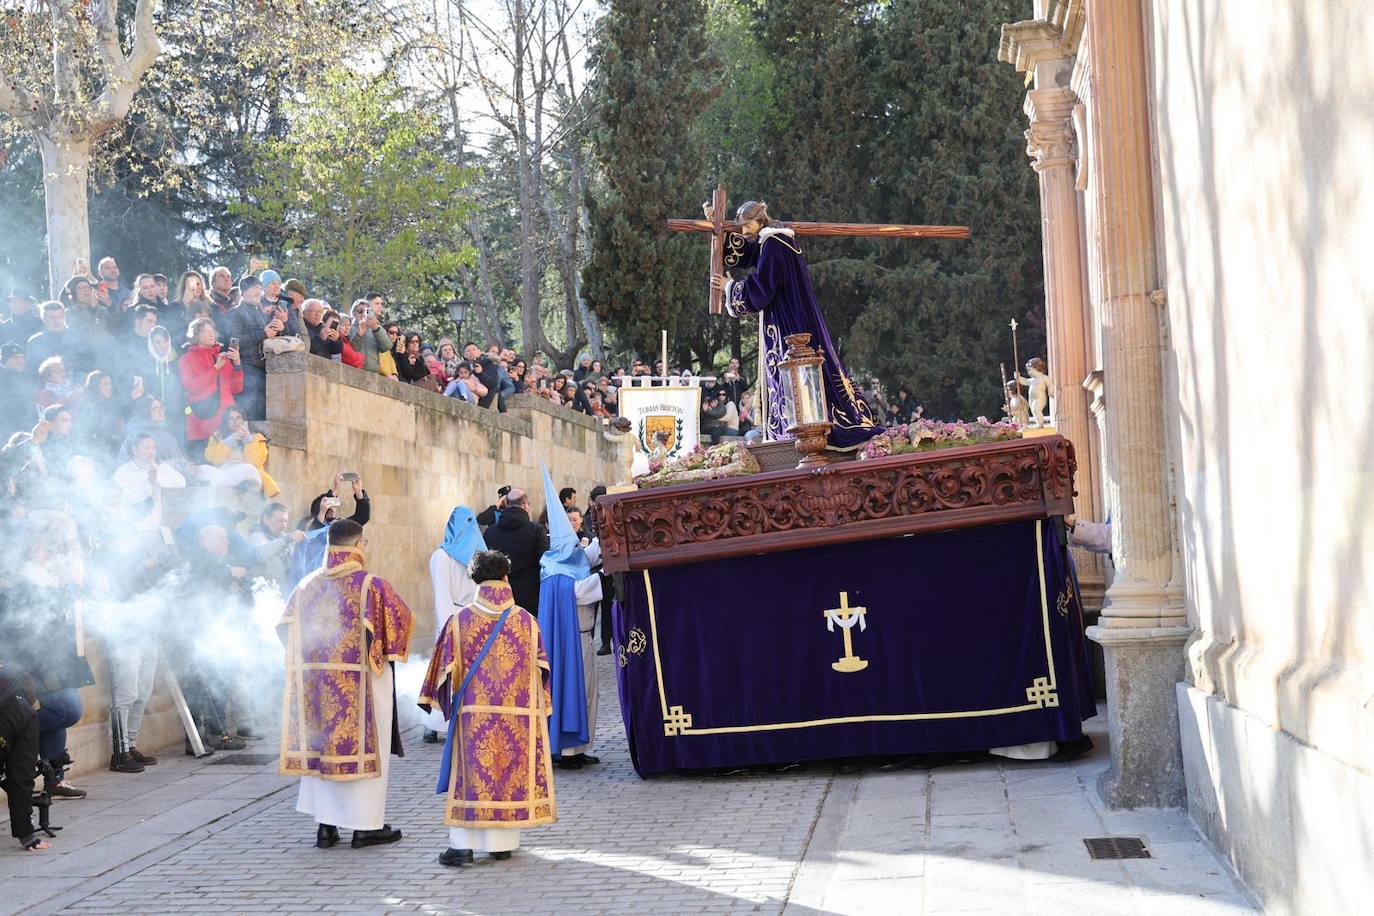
x,y
720,225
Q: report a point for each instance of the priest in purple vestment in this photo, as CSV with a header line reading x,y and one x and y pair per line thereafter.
x,y
343,628
780,287
490,679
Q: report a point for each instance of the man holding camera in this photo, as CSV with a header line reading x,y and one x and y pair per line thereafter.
x,y
324,335
369,337
251,322
324,509
733,383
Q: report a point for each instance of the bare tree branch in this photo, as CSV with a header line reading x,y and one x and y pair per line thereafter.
x,y
122,77
22,104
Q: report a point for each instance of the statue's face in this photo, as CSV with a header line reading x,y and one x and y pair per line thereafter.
x,y
751,229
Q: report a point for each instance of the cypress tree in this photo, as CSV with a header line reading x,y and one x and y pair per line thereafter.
x,y
654,75
935,313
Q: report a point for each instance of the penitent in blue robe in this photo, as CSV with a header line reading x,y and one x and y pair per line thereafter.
x,y
780,288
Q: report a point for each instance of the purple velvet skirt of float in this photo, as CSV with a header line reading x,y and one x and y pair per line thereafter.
x,y
969,639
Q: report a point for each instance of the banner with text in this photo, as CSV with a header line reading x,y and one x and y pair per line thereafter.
x,y
666,418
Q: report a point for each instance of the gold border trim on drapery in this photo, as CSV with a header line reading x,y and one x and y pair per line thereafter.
x,y
1042,692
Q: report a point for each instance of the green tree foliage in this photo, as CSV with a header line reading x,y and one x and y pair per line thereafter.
x,y
852,111
163,180
362,193
654,77
935,313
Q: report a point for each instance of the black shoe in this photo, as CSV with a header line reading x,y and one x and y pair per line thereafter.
x,y
455,858
191,753
501,856
431,736
1071,750
125,763
62,790
148,760
567,763
326,835
387,834
252,734
850,768
604,650
229,743
587,759
898,763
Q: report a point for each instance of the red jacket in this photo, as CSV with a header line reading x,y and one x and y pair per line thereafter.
x,y
202,381
350,356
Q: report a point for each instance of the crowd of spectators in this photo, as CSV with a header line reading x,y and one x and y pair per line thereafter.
x,y
116,395
131,482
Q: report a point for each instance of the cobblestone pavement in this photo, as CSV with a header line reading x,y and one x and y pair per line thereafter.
x,y
201,836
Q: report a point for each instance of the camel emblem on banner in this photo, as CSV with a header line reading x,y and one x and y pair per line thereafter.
x,y
652,425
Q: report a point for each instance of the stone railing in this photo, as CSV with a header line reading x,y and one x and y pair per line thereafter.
x,y
419,454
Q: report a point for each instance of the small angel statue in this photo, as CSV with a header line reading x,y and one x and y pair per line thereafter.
x,y
1016,408
620,430
1038,391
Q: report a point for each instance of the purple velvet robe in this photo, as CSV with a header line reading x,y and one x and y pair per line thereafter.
x,y
780,287
500,773
341,625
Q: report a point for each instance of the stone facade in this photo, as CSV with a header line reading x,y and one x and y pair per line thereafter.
x,y
1222,203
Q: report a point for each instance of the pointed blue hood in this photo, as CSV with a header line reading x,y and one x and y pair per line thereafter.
x,y
462,537
565,556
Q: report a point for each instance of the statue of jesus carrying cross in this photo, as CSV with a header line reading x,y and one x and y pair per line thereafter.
x,y
778,288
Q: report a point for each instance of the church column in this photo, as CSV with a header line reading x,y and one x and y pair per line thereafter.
x,y
1050,144
1143,626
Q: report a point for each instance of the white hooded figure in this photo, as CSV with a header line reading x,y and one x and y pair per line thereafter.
x,y
453,586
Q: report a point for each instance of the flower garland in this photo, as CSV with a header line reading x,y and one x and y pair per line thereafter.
x,y
929,435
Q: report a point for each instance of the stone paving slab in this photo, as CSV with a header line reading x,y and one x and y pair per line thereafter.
x,y
189,837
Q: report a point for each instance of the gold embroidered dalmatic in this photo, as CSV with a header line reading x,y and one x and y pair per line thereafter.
x,y
342,625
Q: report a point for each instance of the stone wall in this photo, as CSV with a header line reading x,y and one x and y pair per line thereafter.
x,y
419,455
1262,132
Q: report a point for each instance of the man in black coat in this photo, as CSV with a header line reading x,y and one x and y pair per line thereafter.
x,y
19,752
252,321
524,543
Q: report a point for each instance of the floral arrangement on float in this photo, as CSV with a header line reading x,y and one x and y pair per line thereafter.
x,y
931,435
729,459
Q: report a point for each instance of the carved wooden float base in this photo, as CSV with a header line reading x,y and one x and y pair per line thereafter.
x,y
838,503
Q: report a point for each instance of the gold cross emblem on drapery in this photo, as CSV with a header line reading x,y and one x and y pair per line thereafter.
x,y
847,617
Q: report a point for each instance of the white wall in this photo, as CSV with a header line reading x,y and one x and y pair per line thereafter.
x,y
1264,135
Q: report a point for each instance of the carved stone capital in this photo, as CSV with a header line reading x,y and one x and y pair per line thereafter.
x,y
1051,145
1050,105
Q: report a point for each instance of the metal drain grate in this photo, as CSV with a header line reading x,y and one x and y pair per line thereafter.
x,y
1117,847
243,760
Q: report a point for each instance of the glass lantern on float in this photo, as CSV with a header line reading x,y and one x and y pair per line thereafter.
x,y
804,406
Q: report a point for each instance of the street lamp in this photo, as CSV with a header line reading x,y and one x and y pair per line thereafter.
x,y
458,310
